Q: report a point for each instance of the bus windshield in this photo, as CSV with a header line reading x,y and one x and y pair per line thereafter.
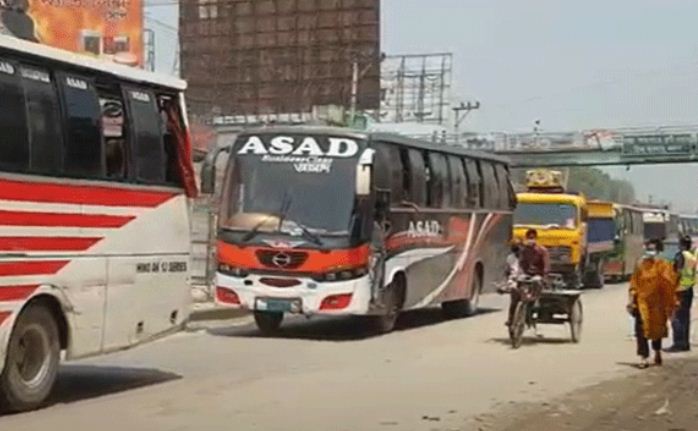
x,y
551,215
290,193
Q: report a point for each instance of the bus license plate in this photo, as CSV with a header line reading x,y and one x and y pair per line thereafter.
x,y
278,305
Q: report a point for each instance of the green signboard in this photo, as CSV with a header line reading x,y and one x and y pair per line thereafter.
x,y
658,145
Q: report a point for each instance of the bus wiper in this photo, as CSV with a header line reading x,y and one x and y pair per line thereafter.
x,y
315,238
255,230
281,214
306,232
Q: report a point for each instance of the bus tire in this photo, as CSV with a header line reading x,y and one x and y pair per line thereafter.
x,y
268,323
465,307
33,356
393,300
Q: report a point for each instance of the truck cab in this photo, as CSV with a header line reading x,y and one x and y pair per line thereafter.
x,y
562,221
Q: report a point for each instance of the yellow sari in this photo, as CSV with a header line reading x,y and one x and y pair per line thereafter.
x,y
653,287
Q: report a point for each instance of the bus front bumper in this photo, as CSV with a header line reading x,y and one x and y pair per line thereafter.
x,y
303,296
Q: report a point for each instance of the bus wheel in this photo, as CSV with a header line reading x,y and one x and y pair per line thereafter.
x,y
268,323
32,360
465,307
393,300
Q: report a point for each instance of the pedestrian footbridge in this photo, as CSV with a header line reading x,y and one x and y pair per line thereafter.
x,y
631,146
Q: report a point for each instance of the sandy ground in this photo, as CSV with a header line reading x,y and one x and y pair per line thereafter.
x,y
325,375
654,400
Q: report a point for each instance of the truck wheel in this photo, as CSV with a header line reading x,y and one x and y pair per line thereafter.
x,y
572,280
31,366
268,323
594,279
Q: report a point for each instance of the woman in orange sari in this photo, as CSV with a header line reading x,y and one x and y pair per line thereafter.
x,y
652,301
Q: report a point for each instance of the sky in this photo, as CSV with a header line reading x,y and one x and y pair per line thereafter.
x,y
572,65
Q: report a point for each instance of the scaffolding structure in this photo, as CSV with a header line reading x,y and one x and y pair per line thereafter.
x,y
268,57
416,88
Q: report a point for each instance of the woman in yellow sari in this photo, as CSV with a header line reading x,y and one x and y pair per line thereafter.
x,y
652,301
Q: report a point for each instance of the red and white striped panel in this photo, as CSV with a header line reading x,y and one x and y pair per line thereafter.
x,y
43,226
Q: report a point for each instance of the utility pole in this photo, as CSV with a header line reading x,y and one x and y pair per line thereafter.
x,y
461,112
536,133
354,89
356,75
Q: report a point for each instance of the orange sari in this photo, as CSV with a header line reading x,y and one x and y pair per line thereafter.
x,y
653,286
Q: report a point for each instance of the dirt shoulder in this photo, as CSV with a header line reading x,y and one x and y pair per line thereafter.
x,y
658,399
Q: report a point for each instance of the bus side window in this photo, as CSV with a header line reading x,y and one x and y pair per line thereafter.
x,y
113,129
14,145
458,182
417,173
406,175
82,156
43,114
489,189
628,223
505,190
389,160
638,224
438,176
147,143
474,184
172,174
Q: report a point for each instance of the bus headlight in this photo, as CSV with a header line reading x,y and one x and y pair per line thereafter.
x,y
342,274
234,271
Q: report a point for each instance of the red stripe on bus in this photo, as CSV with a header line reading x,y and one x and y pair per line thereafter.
x,y
4,315
24,243
16,293
83,195
28,218
46,267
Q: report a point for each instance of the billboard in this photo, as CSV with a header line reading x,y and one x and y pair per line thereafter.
x,y
106,29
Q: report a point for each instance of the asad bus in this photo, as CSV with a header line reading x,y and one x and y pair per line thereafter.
x,y
95,169
334,222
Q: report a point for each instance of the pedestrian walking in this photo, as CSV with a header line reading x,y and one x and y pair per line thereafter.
x,y
651,301
685,267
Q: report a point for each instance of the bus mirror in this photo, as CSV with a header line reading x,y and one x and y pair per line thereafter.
x,y
208,178
208,170
363,180
364,173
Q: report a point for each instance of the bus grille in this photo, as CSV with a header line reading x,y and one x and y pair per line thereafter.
x,y
282,259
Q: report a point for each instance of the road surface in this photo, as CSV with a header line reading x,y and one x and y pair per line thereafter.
x,y
324,375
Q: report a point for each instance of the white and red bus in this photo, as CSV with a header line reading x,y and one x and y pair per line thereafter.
x,y
95,174
333,222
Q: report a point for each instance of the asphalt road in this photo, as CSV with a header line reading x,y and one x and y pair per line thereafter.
x,y
430,374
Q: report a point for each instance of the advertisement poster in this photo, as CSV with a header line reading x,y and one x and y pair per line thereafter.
x,y
105,29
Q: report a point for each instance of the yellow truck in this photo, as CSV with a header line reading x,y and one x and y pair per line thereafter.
x,y
579,234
